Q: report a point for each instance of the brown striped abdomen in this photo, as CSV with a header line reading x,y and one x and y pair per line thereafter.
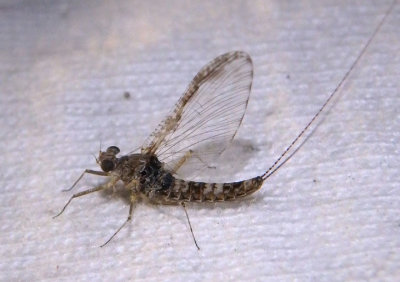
x,y
191,191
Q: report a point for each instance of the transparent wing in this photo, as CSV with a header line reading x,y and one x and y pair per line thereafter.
x,y
208,115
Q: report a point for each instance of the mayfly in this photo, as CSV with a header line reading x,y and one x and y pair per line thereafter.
x,y
211,110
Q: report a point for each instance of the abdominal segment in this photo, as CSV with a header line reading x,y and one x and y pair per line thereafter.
x,y
192,191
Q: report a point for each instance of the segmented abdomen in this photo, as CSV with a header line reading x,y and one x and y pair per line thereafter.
x,y
191,191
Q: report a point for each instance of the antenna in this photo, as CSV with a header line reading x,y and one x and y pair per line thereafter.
x,y
274,167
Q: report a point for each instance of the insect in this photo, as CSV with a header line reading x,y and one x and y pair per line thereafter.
x,y
209,112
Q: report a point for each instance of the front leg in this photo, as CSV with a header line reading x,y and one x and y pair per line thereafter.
x,y
111,183
95,172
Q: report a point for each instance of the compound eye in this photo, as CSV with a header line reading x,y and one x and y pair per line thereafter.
x,y
113,149
107,165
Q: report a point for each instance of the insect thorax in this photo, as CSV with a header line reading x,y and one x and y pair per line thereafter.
x,y
147,171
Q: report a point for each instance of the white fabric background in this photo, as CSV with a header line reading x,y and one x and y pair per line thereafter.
x,y
331,213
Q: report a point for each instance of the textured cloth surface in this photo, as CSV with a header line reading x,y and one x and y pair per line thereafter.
x,y
330,213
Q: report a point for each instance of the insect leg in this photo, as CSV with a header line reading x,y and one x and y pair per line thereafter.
x,y
98,188
206,164
102,173
188,155
185,157
190,225
132,200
